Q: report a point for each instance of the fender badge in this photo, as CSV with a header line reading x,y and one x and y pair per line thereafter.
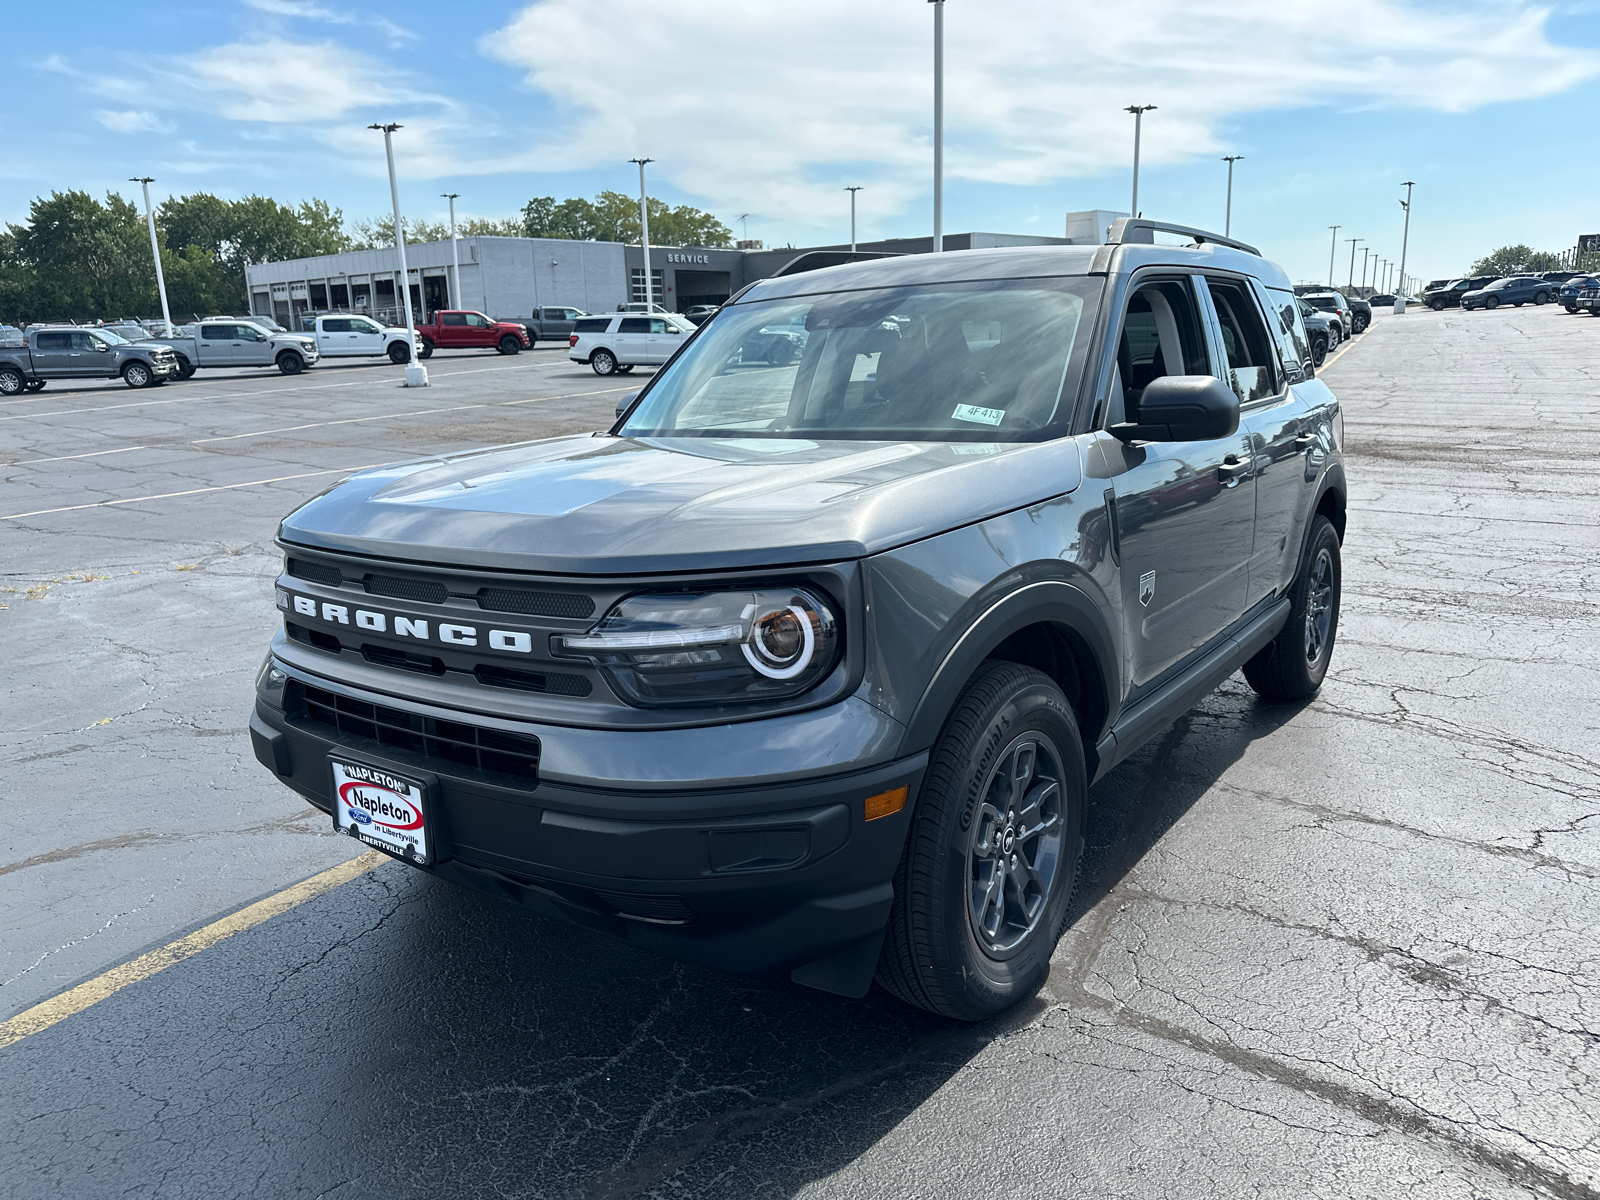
x,y
1147,587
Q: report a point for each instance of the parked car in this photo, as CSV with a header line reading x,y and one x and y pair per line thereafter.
x,y
232,342
267,323
347,335
1588,299
641,307
1450,296
552,323
617,344
463,329
1321,333
1337,309
1382,298
1516,289
810,669
1560,276
699,314
1567,297
71,352
1360,314
1433,285
10,335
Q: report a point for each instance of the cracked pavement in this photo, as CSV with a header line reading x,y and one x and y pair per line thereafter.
x,y
1340,950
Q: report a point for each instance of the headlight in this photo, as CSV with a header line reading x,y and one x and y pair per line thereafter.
x,y
711,647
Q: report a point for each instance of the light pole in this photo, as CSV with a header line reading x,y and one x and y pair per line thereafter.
x,y
155,249
1405,238
1227,219
853,191
455,250
938,125
1366,251
416,373
1351,281
1332,250
1138,111
644,235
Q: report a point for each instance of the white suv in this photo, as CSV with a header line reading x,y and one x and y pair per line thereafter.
x,y
627,340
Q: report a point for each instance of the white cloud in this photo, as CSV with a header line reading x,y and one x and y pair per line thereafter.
x,y
773,108
305,10
278,81
132,120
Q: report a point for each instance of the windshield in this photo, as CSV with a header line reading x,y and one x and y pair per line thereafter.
x,y
972,362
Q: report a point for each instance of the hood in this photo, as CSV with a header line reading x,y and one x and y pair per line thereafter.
x,y
588,505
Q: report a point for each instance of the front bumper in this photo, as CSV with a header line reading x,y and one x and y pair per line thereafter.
x,y
769,875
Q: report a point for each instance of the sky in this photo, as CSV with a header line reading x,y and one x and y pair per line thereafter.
x,y
763,113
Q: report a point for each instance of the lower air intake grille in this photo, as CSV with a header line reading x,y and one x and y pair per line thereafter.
x,y
427,590
447,741
657,910
538,604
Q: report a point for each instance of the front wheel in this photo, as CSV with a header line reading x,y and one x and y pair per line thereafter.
x,y
1293,665
624,368
1572,308
290,363
1541,298
604,362
427,349
186,369
399,354
509,345
1319,351
981,892
1436,305
1492,302
36,385
137,375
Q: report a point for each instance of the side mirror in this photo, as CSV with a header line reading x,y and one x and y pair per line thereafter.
x,y
1183,408
102,348
622,404
261,337
673,329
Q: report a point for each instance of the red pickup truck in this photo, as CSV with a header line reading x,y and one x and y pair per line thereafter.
x,y
457,328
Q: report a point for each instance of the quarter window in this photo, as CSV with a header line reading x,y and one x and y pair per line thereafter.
x,y
1252,359
1290,331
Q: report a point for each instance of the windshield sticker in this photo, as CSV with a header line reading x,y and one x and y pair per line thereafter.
x,y
978,448
979,416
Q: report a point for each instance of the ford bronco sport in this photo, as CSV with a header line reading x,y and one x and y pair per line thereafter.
x,y
809,667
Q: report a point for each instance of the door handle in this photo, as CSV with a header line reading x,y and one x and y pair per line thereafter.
x,y
1305,441
1232,470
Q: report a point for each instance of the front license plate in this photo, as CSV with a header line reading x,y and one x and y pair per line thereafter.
x,y
381,808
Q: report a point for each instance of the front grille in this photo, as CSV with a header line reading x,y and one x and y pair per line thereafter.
x,y
315,572
556,683
429,591
514,754
538,604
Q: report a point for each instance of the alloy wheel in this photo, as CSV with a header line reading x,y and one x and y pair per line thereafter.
x,y
1014,849
1319,607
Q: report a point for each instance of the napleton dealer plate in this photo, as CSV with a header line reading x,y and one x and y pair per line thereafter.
x,y
381,808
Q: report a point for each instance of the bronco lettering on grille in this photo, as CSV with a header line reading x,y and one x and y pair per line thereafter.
x,y
507,641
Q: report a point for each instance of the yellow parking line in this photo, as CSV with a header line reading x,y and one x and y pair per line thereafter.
x,y
58,1008
222,487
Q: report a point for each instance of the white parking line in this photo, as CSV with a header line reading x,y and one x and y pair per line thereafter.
x,y
225,487
276,391
417,412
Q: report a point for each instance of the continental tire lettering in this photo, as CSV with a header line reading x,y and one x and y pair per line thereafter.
x,y
517,643
406,627
459,635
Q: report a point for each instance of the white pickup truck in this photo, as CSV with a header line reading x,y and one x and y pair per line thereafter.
x,y
232,342
349,335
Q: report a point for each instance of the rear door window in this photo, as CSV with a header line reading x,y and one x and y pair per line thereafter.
x,y
336,325
453,319
217,333
1252,353
51,342
637,325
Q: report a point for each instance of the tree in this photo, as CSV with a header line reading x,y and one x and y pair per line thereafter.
x,y
234,233
614,217
376,234
79,259
1509,259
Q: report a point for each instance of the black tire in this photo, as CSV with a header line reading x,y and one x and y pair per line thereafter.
x,y
12,382
137,375
1436,305
625,369
398,353
933,954
427,349
1491,302
290,363
603,362
510,345
186,369
36,385
1541,297
1287,668
1319,351
1572,308
1517,303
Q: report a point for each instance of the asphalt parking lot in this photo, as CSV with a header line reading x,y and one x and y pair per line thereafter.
x,y
1339,950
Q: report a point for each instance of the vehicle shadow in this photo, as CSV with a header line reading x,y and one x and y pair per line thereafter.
x,y
401,1037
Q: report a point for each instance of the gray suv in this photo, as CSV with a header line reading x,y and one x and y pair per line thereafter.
x,y
809,667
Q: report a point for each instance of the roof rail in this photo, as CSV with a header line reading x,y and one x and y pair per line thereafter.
x,y
1130,231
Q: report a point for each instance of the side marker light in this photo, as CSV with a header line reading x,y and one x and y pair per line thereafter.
x,y
885,804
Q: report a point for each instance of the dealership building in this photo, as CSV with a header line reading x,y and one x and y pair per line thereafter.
x,y
509,277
